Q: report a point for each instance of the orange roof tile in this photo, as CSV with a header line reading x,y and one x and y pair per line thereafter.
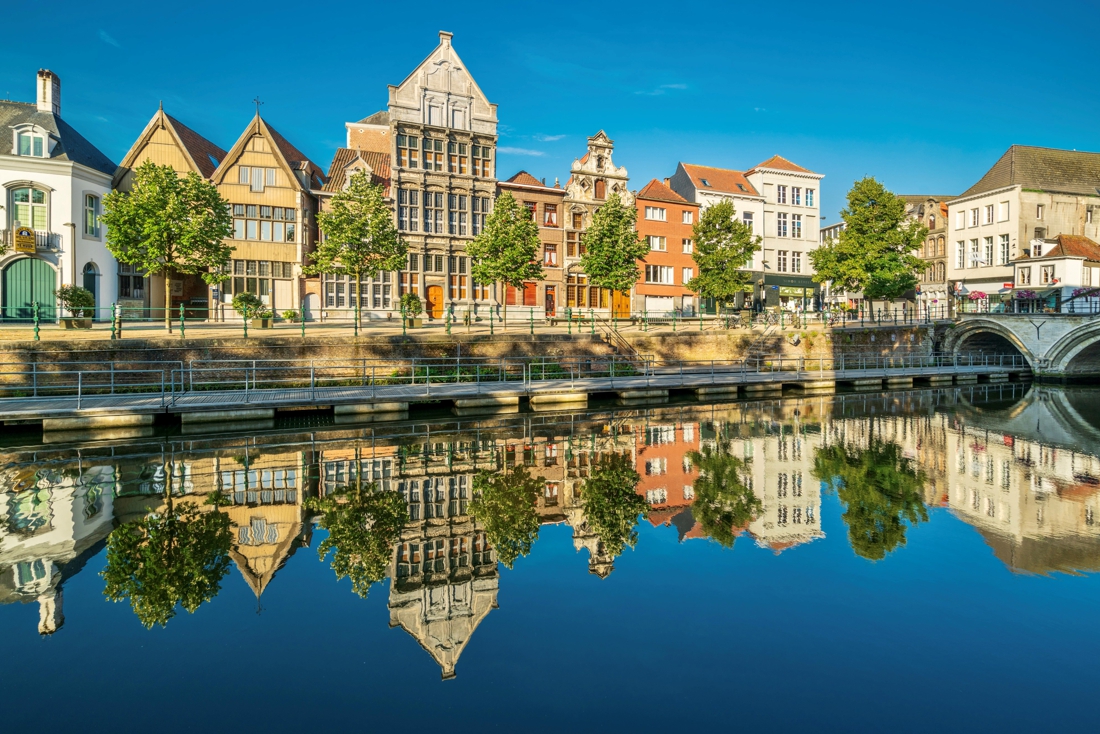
x,y
722,180
206,155
657,191
778,162
523,178
1073,245
379,164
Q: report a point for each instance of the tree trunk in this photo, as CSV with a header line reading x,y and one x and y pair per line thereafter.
x,y
359,306
504,321
168,300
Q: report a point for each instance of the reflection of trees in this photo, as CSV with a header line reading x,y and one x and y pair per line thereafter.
x,y
170,558
880,489
504,505
723,504
363,525
611,506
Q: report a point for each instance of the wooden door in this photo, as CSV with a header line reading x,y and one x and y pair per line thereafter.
x,y
28,281
620,304
551,301
435,301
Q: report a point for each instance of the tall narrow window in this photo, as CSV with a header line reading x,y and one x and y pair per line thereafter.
x,y
781,194
601,189
796,225
257,179
91,215
796,261
550,215
244,175
781,224
781,260
1003,253
482,155
407,151
796,196
809,197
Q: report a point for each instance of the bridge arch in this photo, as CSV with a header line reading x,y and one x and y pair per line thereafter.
x,y
1077,353
986,335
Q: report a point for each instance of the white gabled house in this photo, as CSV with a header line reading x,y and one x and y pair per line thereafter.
x,y
53,182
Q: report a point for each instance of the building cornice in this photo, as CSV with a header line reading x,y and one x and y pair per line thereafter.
x,y
1002,189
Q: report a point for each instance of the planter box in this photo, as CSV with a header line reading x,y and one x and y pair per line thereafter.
x,y
73,322
415,323
262,323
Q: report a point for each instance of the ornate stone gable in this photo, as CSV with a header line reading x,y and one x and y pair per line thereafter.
x,y
440,92
594,177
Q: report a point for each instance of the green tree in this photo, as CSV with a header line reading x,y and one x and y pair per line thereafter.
x,y
613,247
723,245
504,505
723,503
167,559
875,252
507,250
360,238
611,504
363,525
170,225
880,489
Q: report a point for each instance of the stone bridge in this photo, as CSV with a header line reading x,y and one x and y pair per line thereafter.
x,y
1059,347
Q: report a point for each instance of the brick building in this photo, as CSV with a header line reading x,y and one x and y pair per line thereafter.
x,y
665,221
547,206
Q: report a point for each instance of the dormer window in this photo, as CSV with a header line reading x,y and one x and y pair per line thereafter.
x,y
705,182
29,144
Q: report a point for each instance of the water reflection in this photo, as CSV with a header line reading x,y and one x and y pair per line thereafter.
x,y
435,508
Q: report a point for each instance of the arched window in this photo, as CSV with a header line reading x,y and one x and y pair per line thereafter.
x,y
941,272
931,221
941,247
29,208
601,189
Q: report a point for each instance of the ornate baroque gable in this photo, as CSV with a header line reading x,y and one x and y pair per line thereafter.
x,y
595,177
441,92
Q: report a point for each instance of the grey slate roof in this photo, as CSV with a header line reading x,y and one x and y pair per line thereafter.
x,y
72,146
1045,169
378,118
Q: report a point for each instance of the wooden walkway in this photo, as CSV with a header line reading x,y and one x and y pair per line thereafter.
x,y
16,410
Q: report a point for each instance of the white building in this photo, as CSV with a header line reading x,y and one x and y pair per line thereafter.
x,y
53,182
781,202
1029,195
1063,273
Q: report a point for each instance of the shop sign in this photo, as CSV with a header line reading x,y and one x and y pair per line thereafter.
x,y
24,240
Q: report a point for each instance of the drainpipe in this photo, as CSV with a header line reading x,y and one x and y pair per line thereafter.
x,y
72,250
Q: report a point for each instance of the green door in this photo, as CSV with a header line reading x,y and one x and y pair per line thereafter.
x,y
26,281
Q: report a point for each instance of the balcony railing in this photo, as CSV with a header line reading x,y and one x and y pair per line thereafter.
x,y
43,241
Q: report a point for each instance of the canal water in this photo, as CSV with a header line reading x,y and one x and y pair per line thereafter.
x,y
902,561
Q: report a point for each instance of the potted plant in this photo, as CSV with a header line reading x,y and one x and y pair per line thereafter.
x,y
80,303
252,309
290,315
410,302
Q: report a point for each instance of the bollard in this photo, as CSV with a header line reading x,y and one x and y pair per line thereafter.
x,y
182,327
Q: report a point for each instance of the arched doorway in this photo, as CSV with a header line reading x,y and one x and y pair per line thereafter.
x,y
91,283
25,282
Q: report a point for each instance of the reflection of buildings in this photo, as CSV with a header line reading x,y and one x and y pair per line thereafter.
x,y
53,521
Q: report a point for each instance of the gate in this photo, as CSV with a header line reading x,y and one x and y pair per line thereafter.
x,y
26,281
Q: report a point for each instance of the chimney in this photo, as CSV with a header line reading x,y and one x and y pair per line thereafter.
x,y
544,180
49,92
667,182
445,37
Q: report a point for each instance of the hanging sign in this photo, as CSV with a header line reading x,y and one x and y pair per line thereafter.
x,y
24,240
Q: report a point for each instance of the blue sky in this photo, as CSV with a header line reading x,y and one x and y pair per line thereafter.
x,y
925,97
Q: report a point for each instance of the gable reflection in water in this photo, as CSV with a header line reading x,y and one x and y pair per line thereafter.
x,y
726,471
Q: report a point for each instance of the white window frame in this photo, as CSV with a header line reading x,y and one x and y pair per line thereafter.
x,y
686,274
687,245
988,211
91,215
657,243
1004,255
1003,210
687,217
974,217
960,219
656,214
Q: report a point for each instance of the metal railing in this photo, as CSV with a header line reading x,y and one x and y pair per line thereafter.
x,y
172,381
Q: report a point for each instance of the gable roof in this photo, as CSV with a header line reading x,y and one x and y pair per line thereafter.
x,y
382,117
205,157
1046,169
294,159
1071,245
71,145
778,162
379,164
657,191
523,178
722,180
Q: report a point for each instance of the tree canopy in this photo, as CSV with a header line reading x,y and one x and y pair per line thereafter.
x,y
875,252
723,504
611,504
507,250
505,506
173,558
167,224
363,525
723,245
613,247
360,238
880,489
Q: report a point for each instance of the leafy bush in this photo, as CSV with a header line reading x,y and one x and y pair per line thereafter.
x,y
411,303
76,300
247,305
290,315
